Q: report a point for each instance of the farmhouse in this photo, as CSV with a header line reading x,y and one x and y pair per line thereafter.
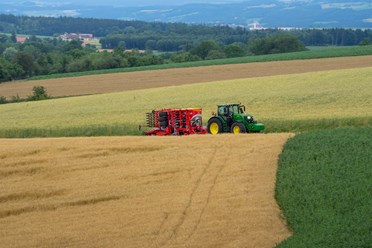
x,y
21,39
73,36
87,39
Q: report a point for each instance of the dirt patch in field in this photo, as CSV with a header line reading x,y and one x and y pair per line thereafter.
x,y
196,191
116,82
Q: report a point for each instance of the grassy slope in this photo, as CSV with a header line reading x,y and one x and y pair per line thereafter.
x,y
284,103
312,54
323,187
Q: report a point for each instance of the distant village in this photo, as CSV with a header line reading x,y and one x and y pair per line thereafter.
x,y
257,26
89,39
86,39
73,36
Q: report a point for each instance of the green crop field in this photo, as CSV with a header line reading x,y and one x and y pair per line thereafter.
x,y
284,103
324,188
311,54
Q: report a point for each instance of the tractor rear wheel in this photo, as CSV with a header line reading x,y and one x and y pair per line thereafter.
x,y
214,126
237,128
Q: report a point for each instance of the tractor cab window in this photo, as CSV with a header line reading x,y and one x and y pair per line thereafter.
x,y
231,109
234,109
221,110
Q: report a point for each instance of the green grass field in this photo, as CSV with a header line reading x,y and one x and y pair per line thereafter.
x,y
324,188
311,54
284,103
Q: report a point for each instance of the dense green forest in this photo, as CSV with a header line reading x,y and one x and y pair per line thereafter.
x,y
43,56
162,42
167,36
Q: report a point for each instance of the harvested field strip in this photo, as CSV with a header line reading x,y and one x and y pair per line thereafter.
x,y
171,77
312,54
286,102
221,193
324,188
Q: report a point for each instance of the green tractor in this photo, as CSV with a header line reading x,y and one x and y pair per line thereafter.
x,y
232,118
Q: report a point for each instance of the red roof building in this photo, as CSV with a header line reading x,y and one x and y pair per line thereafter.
x,y
21,39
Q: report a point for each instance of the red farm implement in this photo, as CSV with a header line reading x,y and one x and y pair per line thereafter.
x,y
175,122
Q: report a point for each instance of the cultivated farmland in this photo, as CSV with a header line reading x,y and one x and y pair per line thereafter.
x,y
324,188
107,83
285,103
196,191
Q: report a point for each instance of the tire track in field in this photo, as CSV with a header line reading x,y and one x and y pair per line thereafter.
x,y
223,165
214,197
185,211
192,215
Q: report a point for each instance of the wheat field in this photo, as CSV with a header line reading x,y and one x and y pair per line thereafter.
x,y
194,191
317,95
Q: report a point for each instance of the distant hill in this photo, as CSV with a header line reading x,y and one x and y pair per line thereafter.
x,y
270,13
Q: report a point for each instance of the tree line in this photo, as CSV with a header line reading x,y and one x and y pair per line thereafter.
x,y
43,56
173,43
168,36
170,41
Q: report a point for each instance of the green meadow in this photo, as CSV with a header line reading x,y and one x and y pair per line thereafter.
x,y
324,188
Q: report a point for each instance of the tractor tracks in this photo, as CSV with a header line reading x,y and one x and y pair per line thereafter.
x,y
201,191
223,165
200,196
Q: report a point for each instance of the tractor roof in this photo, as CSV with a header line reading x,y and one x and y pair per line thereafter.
x,y
230,104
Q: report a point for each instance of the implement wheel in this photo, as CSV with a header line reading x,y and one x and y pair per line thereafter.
x,y
214,126
237,128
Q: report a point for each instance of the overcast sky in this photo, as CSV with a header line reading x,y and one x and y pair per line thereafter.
x,y
149,2
126,2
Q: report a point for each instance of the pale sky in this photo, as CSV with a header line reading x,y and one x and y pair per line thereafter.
x,y
124,2
150,2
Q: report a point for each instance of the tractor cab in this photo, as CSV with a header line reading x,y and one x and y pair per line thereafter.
x,y
232,118
225,110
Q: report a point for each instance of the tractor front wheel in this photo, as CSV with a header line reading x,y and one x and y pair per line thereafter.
x,y
237,128
214,126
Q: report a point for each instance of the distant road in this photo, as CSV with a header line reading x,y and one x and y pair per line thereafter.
x,y
116,82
